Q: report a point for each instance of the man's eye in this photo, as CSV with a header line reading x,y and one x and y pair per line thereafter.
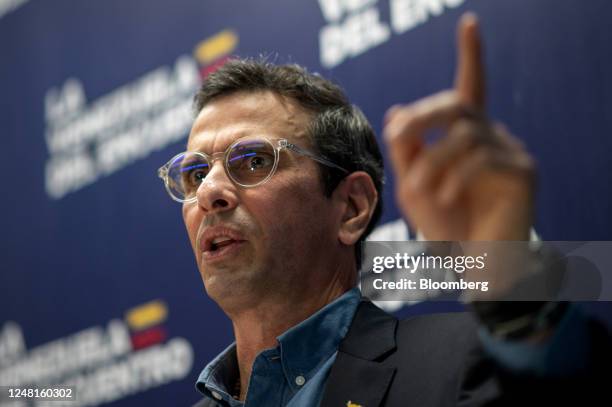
x,y
193,175
259,161
196,177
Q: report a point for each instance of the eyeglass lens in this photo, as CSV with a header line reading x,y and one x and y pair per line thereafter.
x,y
249,162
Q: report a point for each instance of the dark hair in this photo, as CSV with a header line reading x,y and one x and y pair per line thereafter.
x,y
339,131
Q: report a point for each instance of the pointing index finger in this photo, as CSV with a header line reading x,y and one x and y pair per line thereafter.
x,y
470,75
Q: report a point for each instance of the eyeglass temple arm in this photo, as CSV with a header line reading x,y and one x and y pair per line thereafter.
x,y
298,150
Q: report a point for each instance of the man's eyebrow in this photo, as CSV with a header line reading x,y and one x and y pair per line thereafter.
x,y
235,136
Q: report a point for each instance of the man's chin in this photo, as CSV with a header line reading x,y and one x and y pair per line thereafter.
x,y
230,297
225,280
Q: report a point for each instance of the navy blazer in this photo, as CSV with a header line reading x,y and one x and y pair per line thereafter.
x,y
437,360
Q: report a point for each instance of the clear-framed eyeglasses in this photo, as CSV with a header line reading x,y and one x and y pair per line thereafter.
x,y
249,162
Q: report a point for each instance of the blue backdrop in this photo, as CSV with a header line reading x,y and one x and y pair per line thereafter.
x,y
98,285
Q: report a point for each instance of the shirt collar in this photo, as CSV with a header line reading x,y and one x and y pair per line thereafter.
x,y
303,348
307,345
218,376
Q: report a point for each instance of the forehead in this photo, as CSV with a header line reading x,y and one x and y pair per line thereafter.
x,y
241,114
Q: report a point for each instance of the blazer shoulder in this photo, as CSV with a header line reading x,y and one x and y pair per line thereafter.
x,y
442,327
374,333
443,341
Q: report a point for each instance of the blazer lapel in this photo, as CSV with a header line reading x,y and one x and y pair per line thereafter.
x,y
356,376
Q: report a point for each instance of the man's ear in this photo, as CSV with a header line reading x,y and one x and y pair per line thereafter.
x,y
358,195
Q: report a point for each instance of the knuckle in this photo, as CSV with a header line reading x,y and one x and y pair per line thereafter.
x,y
483,154
451,97
391,112
528,163
500,128
502,133
400,124
409,120
464,130
453,103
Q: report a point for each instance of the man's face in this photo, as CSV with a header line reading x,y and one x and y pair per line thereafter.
x,y
274,239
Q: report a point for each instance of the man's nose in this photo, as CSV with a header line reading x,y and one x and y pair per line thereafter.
x,y
217,192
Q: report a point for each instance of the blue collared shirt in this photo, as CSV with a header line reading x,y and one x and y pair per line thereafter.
x,y
292,374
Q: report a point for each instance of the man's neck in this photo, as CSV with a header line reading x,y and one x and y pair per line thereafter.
x,y
257,328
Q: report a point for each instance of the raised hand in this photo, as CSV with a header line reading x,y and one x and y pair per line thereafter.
x,y
474,183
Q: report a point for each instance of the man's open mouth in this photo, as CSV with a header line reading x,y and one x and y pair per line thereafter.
x,y
220,242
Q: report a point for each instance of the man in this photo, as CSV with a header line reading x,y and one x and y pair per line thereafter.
x,y
282,180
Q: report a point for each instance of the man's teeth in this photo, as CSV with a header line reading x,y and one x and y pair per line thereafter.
x,y
220,239
220,242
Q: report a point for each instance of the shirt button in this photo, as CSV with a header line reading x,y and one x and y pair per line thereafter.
x,y
300,380
216,395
